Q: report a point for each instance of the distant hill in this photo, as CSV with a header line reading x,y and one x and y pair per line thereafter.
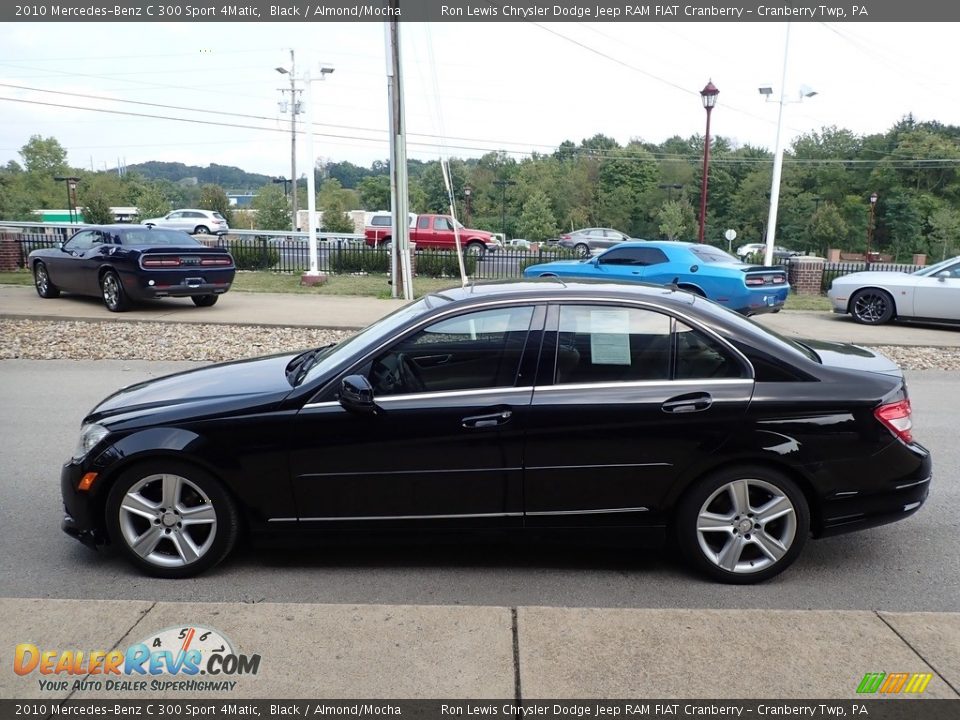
x,y
231,179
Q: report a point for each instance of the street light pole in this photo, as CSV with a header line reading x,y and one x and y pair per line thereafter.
x,y
502,184
467,195
709,97
71,184
871,228
313,272
294,111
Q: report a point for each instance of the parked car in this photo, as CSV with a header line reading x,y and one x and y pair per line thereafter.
x,y
519,244
127,263
780,253
701,269
590,240
193,221
930,294
522,408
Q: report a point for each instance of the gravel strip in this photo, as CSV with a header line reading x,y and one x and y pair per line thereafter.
x,y
66,340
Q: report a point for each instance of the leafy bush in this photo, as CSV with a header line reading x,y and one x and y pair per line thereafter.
x,y
259,256
443,264
345,261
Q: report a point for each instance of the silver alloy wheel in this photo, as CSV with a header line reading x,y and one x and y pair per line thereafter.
x,y
167,520
111,290
746,526
42,279
582,250
870,307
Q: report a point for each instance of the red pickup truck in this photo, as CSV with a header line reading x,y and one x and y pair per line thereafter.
x,y
430,231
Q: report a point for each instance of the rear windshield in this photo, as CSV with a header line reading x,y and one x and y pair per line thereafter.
x,y
157,237
709,254
218,216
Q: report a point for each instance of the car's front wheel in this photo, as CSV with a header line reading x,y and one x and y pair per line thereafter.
x,y
871,306
201,230
171,519
743,525
477,249
204,300
114,296
41,280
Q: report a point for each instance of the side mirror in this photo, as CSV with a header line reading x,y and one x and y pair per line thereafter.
x,y
59,246
356,395
943,275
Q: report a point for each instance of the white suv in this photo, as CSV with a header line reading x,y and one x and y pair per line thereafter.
x,y
195,222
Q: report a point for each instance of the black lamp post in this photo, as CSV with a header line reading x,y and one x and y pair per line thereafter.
x,y
502,184
286,185
670,187
71,196
872,226
709,97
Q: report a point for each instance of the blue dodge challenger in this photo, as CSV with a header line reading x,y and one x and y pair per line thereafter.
x,y
701,269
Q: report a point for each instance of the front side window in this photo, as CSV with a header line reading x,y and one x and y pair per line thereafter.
x,y
700,357
81,242
441,223
468,352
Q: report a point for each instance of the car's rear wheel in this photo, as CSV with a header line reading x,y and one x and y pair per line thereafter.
x,y
201,230
204,300
41,280
171,519
871,306
581,249
743,525
114,296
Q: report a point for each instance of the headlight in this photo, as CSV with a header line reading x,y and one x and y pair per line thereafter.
x,y
90,435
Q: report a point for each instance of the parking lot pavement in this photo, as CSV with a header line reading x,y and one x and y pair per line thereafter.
x,y
351,312
410,651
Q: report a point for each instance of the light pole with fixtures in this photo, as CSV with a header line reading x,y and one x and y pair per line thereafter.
x,y
294,111
286,185
709,97
313,272
467,195
71,197
767,92
871,228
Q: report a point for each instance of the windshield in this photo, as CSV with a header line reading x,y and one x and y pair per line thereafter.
x,y
934,269
334,356
709,254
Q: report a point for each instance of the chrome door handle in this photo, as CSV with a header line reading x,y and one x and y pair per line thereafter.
x,y
477,422
694,402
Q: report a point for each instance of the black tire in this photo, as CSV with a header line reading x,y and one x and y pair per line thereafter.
x,y
41,281
201,230
871,306
204,300
111,290
582,250
168,547
477,249
726,538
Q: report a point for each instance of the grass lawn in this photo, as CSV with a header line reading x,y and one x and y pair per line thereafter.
x,y
370,286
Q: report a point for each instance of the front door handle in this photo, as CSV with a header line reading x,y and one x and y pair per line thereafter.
x,y
477,422
691,402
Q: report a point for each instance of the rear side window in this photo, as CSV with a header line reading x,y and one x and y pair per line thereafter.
x,y
380,221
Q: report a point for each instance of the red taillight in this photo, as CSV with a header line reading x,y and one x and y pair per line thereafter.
x,y
779,279
161,262
564,237
215,261
896,418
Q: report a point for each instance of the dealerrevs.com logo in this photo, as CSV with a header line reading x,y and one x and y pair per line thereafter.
x,y
191,659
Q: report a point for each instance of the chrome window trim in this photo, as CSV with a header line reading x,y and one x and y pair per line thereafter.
x,y
645,383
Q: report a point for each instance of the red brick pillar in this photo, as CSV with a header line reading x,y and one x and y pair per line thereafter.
x,y
806,275
9,252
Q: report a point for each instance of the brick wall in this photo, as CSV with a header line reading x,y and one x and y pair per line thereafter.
x,y
9,252
805,275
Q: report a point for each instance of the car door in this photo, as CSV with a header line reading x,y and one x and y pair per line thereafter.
x,y
938,296
627,398
629,263
423,235
65,266
443,236
175,220
444,447
90,261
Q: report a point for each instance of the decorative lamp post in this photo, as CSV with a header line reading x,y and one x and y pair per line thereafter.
x,y
709,97
872,226
286,185
71,197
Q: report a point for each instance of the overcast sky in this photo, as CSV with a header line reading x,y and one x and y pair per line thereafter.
x,y
470,87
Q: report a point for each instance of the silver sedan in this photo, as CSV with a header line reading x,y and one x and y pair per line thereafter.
x,y
931,294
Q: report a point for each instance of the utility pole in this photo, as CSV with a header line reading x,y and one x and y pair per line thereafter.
x,y
401,274
295,109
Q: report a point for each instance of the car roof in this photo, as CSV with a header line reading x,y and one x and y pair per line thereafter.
x,y
552,287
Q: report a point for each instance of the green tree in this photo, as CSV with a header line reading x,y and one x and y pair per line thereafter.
x,y
273,211
374,192
97,210
675,217
332,201
827,229
44,155
151,203
944,231
537,221
213,197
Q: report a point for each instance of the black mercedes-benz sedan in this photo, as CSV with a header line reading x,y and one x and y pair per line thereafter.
x,y
524,407
125,263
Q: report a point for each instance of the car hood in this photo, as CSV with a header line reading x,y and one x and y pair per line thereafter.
x,y
243,382
853,357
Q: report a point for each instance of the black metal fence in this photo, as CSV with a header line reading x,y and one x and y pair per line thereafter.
x,y
352,256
